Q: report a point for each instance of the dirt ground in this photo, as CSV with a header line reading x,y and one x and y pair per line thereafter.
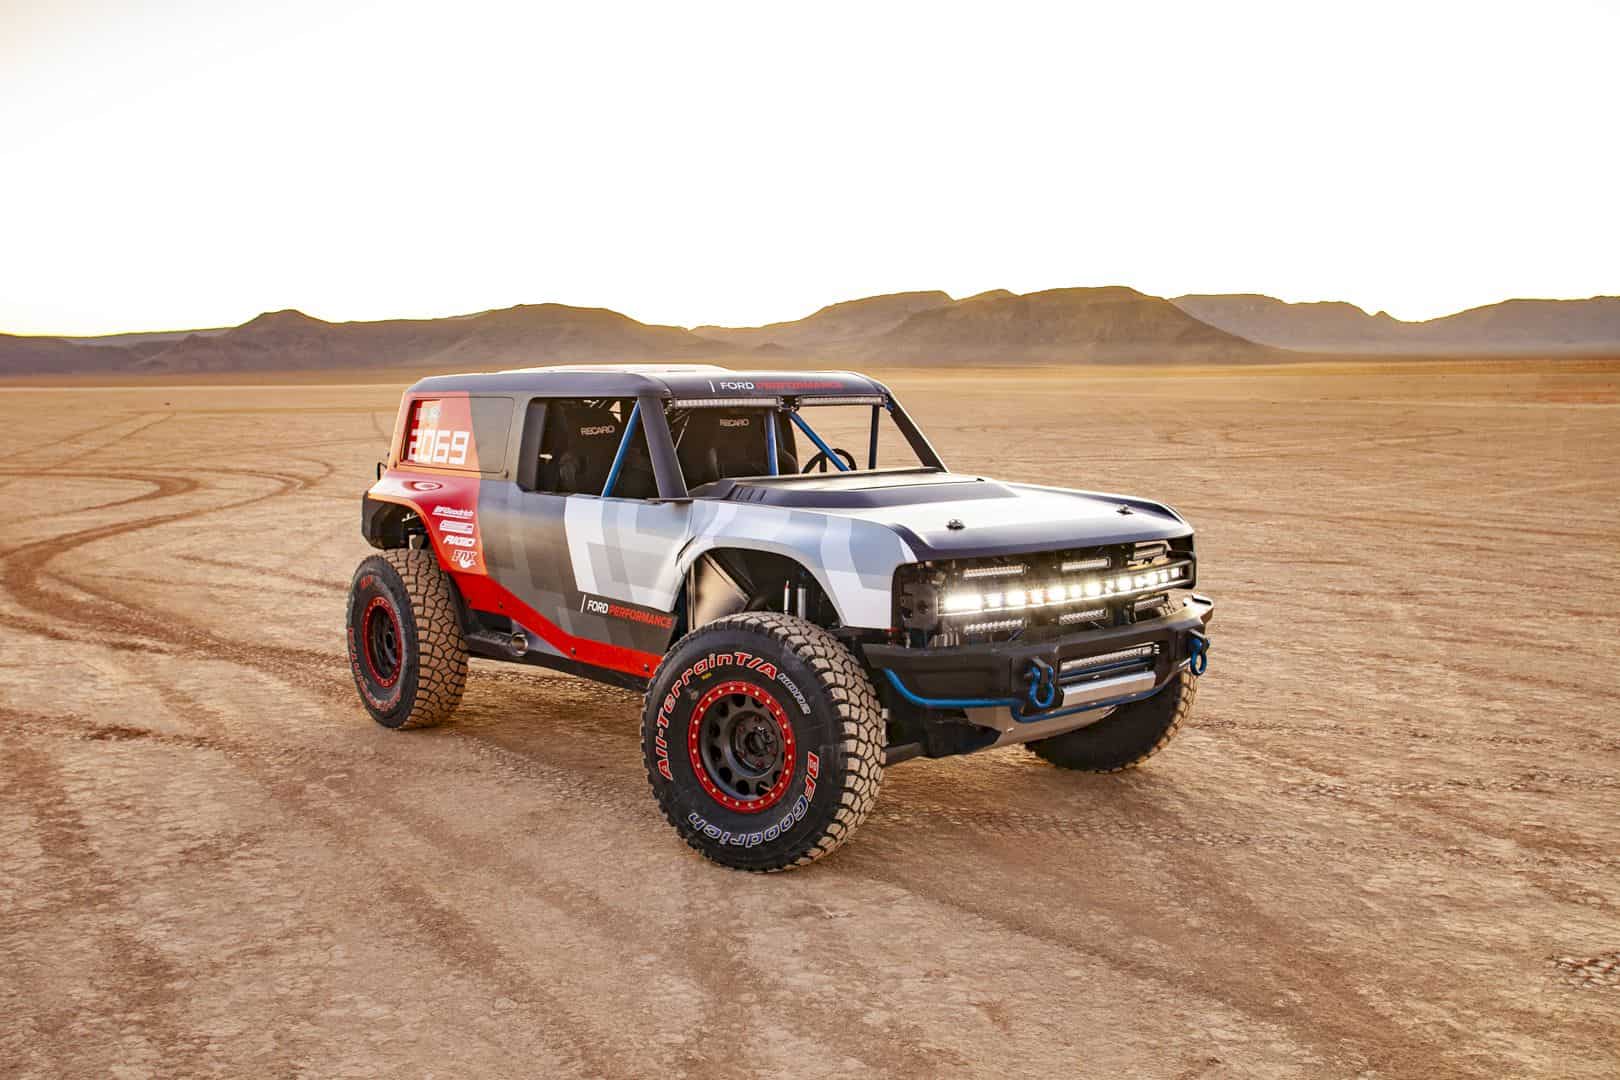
x,y
1387,845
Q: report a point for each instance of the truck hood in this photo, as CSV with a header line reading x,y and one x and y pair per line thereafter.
x,y
952,516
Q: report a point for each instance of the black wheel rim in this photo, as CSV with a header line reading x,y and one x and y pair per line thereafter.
x,y
383,641
741,746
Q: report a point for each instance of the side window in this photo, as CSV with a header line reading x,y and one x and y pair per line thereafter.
x,y
458,432
578,441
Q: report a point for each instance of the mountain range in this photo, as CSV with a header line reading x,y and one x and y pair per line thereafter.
x,y
1512,326
1111,324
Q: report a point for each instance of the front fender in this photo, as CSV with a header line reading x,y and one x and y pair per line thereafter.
x,y
852,560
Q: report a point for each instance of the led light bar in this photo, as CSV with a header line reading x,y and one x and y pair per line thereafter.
x,y
842,399
726,403
1083,616
994,627
1136,652
1101,562
993,571
970,601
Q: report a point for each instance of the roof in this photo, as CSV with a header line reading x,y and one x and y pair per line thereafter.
x,y
660,380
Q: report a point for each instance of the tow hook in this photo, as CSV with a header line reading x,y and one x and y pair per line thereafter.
x,y
1042,681
1197,652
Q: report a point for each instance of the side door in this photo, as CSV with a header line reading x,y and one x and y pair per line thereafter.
x,y
592,576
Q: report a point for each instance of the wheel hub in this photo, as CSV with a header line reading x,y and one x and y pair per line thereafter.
x,y
741,746
382,640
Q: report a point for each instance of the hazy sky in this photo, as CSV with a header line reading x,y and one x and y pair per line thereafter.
x,y
174,164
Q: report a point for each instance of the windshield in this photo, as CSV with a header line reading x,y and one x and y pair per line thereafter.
x,y
737,439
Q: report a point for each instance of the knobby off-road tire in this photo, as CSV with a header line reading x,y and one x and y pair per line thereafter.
x,y
1128,736
406,648
763,740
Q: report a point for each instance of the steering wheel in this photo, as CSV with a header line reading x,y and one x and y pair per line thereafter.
x,y
820,462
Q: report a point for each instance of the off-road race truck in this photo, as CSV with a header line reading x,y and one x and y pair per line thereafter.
x,y
798,617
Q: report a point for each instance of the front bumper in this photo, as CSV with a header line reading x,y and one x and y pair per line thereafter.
x,y
997,675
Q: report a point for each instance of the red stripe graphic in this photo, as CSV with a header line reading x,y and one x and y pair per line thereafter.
x,y
486,594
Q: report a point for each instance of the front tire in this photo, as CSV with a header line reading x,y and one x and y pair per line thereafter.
x,y
1126,737
763,740
406,648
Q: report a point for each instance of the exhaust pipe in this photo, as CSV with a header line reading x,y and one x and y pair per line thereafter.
x,y
515,644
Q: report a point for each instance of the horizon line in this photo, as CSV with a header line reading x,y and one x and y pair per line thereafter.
x,y
692,327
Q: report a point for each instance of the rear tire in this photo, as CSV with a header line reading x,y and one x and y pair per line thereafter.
x,y
1128,736
763,740
406,648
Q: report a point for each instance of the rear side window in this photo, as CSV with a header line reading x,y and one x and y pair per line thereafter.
x,y
459,432
577,448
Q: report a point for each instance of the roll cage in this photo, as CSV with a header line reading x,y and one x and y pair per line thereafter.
x,y
653,415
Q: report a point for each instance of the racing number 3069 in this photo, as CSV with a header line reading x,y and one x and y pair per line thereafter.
x,y
432,444
441,446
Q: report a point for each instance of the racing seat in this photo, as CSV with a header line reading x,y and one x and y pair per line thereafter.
x,y
576,451
719,443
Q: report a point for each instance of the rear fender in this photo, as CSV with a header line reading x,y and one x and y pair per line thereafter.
x,y
447,507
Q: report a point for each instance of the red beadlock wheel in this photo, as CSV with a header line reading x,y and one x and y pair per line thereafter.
x,y
763,739
383,641
741,745
407,651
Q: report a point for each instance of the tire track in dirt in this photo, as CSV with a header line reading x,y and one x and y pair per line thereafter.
x,y
279,451
1298,993
1541,852
82,881
478,855
396,904
163,487
290,781
323,584
22,569
1016,826
724,965
80,454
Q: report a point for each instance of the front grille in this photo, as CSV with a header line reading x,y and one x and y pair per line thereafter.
x,y
1042,594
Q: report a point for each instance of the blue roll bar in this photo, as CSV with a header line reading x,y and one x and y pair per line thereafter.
x,y
823,447
623,450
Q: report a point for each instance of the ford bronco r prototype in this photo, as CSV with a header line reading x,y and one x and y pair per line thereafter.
x,y
798,616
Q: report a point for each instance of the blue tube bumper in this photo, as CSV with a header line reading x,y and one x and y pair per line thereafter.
x,y
1041,681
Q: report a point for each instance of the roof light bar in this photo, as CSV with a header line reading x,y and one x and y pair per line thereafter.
x,y
841,399
726,403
